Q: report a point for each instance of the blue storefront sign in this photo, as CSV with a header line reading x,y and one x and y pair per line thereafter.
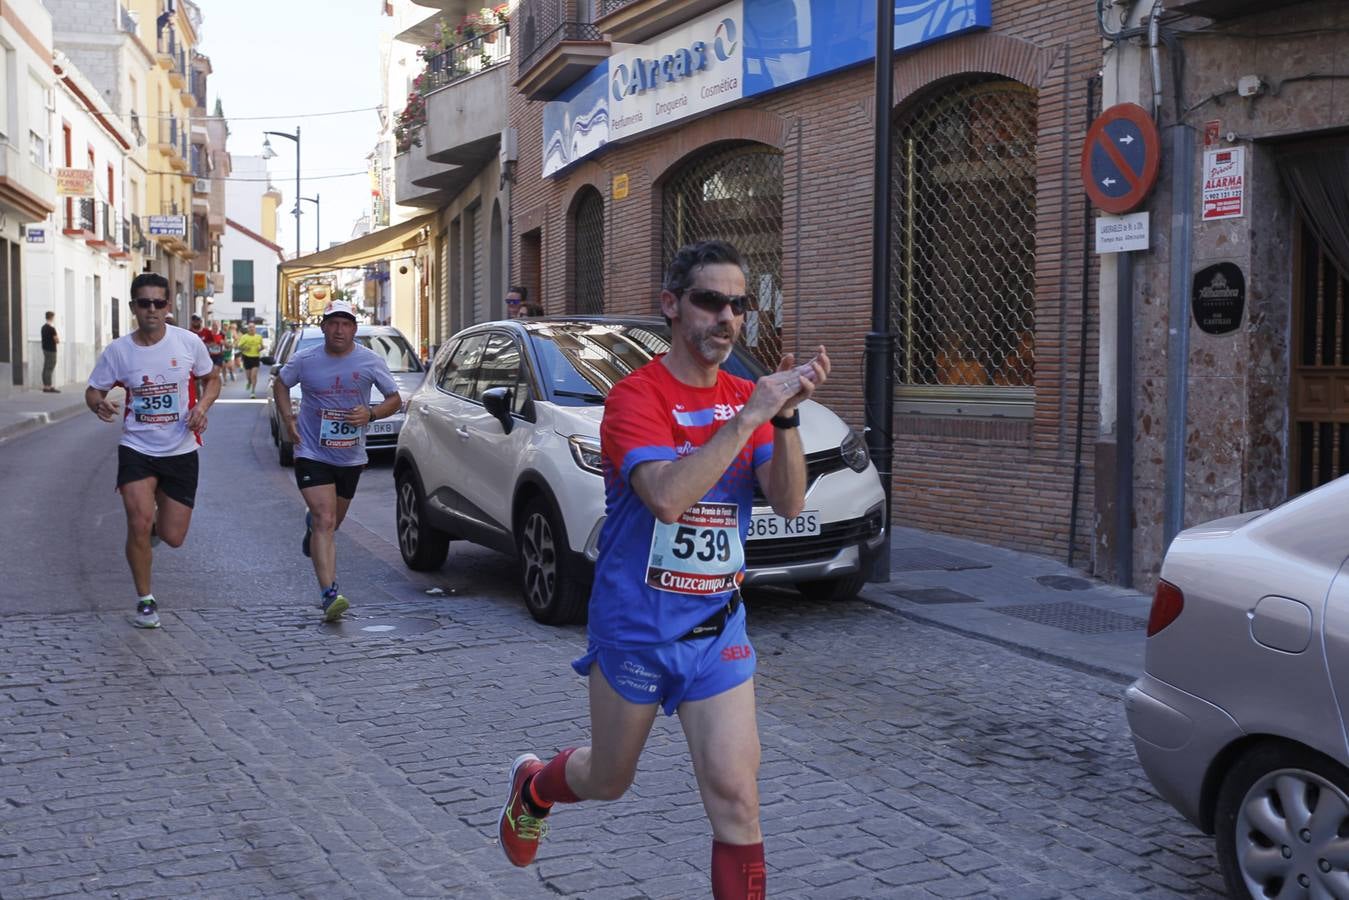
x,y
743,49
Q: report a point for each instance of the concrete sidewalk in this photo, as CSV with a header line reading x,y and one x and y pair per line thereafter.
x,y
23,410
1032,604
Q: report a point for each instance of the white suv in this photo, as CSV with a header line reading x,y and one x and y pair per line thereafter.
x,y
501,448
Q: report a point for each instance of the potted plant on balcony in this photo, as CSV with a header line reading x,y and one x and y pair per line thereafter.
x,y
407,130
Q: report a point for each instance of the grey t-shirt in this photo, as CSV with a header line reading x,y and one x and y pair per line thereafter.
x,y
329,386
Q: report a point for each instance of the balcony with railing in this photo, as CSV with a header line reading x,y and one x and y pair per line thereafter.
x,y
466,90
136,129
555,49
167,47
79,218
167,142
178,71
105,227
633,21
122,229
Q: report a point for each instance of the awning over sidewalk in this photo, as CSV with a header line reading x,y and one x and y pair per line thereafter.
x,y
393,242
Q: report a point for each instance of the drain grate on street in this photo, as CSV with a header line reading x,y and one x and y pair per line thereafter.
x,y
1078,618
925,559
933,595
1064,582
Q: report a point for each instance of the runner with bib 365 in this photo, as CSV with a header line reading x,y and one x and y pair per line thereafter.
x,y
329,436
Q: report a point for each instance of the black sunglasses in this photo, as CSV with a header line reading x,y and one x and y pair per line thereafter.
x,y
716,301
147,302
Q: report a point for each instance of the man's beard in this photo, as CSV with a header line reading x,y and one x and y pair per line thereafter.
x,y
709,350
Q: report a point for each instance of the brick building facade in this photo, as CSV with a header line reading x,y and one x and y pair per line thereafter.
x,y
988,416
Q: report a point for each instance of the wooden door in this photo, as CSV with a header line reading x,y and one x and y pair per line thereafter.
x,y
1320,383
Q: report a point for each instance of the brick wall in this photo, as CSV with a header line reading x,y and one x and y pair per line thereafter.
x,y
1004,481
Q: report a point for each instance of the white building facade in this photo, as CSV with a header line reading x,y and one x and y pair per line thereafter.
x,y
81,268
249,251
27,187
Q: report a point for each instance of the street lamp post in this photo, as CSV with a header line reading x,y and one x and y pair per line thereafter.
x,y
318,222
269,153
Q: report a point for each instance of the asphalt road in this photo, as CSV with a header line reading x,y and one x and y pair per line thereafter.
x,y
245,749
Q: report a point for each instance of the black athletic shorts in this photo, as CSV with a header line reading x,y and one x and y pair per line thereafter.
x,y
217,359
251,362
312,473
177,474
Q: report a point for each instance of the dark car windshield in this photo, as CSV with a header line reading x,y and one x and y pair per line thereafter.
x,y
580,361
392,347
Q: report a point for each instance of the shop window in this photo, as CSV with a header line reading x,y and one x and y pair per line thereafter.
x,y
735,194
588,253
963,250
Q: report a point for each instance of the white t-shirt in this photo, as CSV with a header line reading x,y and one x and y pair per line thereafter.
x,y
161,388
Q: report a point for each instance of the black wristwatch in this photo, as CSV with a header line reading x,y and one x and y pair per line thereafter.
x,y
791,421
371,407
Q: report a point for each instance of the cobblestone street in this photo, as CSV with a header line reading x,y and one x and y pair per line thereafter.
x,y
252,752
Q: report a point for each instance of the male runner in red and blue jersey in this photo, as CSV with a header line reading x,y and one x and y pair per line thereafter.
x,y
682,444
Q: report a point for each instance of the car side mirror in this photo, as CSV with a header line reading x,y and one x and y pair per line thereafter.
x,y
497,400
269,360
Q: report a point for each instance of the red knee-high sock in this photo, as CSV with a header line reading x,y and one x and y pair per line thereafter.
x,y
738,871
550,785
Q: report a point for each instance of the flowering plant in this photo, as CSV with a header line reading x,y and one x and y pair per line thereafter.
x,y
407,129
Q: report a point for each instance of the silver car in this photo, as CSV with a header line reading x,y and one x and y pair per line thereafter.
x,y
385,340
1240,719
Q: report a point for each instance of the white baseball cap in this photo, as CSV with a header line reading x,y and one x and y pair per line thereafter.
x,y
339,308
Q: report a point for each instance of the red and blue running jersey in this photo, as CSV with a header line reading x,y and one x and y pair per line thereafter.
x,y
655,581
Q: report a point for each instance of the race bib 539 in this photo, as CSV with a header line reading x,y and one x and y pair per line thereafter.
x,y
699,554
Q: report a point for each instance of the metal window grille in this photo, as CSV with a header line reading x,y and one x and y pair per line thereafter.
x,y
548,23
735,194
588,254
963,248
1320,436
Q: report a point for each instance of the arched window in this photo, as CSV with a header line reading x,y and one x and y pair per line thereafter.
x,y
963,245
587,290
734,193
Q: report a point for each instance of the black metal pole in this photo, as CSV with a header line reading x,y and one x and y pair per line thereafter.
x,y
298,250
880,343
1124,421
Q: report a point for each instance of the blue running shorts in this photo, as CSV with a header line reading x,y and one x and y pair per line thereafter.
x,y
677,672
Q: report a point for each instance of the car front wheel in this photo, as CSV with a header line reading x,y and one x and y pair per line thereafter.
x,y
285,453
833,590
1280,820
553,595
423,548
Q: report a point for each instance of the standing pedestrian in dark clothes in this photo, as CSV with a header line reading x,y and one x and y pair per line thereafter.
x,y
49,341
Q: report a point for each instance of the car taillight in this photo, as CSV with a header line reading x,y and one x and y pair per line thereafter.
x,y
1167,603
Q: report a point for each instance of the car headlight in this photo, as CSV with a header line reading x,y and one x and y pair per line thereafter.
x,y
854,451
586,452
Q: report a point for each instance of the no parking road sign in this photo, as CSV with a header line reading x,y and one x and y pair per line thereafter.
x,y
1120,158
